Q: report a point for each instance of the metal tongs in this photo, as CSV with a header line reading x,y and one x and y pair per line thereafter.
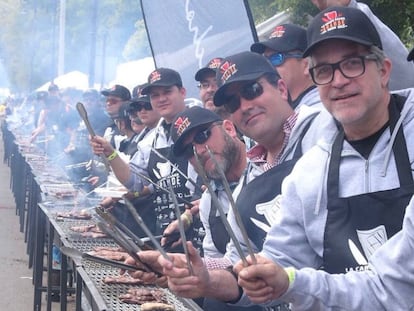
x,y
125,242
84,115
78,255
236,213
218,204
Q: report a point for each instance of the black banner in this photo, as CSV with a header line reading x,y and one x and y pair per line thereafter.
x,y
184,35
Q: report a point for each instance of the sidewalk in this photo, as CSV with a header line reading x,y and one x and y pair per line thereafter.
x,y
16,289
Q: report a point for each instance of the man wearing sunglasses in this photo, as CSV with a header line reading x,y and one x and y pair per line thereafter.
x,y
284,49
140,108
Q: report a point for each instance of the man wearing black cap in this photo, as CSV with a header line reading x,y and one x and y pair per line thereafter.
x,y
167,96
202,131
206,78
284,49
114,98
394,49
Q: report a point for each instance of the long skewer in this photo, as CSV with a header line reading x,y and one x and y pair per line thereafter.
x,y
219,206
181,227
233,205
84,115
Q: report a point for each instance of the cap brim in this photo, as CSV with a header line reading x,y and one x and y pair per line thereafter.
x,y
202,72
309,49
105,93
178,148
146,90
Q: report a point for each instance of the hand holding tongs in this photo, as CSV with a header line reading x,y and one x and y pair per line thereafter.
x,y
84,115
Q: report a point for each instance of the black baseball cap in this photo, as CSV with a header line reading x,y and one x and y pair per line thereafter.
x,y
341,23
187,120
244,66
162,77
411,55
283,38
211,67
117,91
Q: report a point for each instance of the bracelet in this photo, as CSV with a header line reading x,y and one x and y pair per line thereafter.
x,y
187,219
291,273
112,155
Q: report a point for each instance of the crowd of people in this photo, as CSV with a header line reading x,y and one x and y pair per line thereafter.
x,y
294,180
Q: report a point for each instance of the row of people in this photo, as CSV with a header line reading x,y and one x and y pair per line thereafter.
x,y
348,191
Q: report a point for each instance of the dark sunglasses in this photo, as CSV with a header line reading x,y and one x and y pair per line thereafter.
x,y
278,59
199,138
248,91
140,106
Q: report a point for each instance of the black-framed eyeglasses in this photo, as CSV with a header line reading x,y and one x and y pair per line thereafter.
x,y
199,138
278,59
248,91
350,67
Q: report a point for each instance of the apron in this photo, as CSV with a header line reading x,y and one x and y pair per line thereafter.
x,y
356,226
162,173
258,200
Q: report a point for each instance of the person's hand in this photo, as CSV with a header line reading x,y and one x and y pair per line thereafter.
x,y
263,281
100,146
180,280
170,235
150,258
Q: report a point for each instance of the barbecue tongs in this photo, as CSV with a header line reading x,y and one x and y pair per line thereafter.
x,y
122,240
77,255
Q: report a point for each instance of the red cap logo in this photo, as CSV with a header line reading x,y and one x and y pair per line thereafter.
x,y
214,63
227,70
154,76
278,32
332,20
181,125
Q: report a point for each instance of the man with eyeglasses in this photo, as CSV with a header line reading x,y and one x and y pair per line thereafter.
x,y
401,73
284,49
207,84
